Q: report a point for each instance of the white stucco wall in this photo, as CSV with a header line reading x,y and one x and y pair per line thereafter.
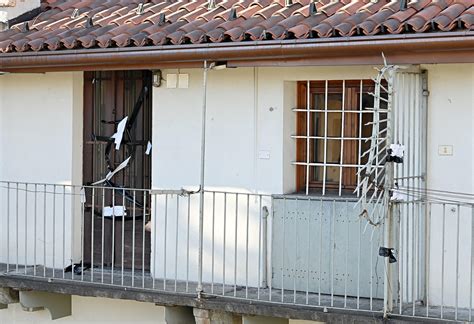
x,y
243,120
40,142
451,122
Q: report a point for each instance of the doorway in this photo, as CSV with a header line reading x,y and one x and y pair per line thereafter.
x,y
118,239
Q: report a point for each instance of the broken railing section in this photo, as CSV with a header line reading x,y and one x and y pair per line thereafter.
x,y
124,135
377,174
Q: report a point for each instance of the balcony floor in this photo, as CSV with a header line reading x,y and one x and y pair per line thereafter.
x,y
140,281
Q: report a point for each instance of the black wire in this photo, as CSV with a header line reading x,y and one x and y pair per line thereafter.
x,y
439,191
433,198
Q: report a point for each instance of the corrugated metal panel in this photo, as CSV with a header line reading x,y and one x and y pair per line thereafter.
x,y
327,240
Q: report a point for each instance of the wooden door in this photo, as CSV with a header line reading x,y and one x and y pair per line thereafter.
x,y
109,97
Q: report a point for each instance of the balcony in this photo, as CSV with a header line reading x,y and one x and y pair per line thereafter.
x,y
250,252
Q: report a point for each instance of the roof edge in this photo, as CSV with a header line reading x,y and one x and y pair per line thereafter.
x,y
452,47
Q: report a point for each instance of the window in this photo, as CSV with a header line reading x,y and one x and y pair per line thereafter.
x,y
333,131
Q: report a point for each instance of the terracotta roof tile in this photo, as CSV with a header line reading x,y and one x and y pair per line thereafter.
x,y
74,24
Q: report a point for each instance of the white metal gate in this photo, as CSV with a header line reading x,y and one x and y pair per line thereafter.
x,y
320,245
410,121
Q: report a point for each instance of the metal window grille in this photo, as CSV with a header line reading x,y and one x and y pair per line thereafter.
x,y
337,129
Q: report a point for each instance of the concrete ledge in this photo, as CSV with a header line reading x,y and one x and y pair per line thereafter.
x,y
227,304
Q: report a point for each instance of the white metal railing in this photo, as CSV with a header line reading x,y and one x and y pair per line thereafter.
x,y
283,249
436,258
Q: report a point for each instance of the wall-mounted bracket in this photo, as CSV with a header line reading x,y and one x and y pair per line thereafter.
x,y
59,305
8,296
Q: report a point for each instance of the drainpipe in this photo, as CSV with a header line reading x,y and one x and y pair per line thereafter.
x,y
206,70
201,189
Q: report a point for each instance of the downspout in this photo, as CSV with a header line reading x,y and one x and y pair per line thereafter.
x,y
201,187
207,67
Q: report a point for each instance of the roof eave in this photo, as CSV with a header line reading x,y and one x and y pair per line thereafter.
x,y
443,47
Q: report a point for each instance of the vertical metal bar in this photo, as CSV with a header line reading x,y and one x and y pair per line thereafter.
x,y
342,135
155,235
201,192
247,251
123,237
308,131
325,134
236,241
164,243
359,250
34,228
347,255
8,228
320,268
73,227
471,264
421,207
360,140
308,256
187,244
259,245
296,250
54,228
143,238
213,237
113,236
410,166
268,263
442,261
64,231
457,262
176,246
406,233
103,239
414,261
82,231
333,248
371,278
92,234
17,231
223,244
44,229
26,228
424,141
428,248
401,260
402,137
283,252
134,213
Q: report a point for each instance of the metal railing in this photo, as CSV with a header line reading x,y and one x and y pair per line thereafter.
x,y
436,260
288,249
